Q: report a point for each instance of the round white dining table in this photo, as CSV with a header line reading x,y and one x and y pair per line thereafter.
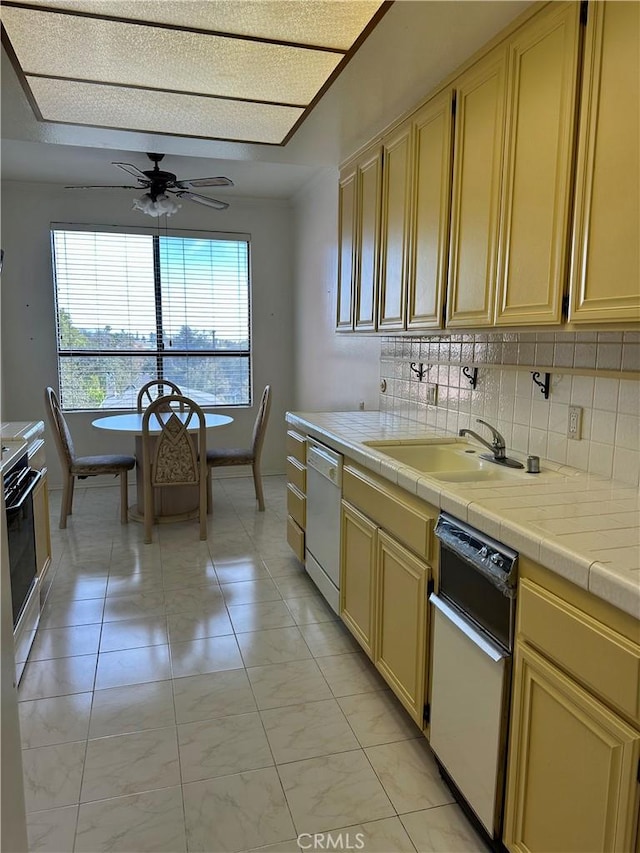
x,y
175,503
132,422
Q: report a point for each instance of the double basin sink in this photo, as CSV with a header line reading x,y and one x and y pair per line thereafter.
x,y
454,462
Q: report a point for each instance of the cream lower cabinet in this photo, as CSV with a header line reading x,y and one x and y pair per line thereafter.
x,y
359,539
401,623
575,778
574,749
383,602
296,492
41,527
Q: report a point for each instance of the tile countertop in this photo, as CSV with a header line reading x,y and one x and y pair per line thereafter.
x,y
582,526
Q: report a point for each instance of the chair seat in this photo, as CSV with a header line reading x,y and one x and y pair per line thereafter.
x,y
229,456
108,464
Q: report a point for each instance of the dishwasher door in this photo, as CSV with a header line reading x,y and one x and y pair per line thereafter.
x,y
468,707
322,535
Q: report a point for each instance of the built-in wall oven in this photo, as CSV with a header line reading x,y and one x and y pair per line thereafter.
x,y
473,632
19,484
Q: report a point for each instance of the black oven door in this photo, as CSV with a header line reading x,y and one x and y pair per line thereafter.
x,y
22,547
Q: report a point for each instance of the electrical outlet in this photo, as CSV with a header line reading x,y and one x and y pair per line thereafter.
x,y
361,405
574,427
432,395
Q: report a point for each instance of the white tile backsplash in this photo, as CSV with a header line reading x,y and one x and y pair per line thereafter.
x,y
506,396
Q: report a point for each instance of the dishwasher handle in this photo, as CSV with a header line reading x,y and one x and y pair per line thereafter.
x,y
477,638
327,463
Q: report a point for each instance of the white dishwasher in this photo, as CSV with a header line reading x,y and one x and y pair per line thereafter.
x,y
322,535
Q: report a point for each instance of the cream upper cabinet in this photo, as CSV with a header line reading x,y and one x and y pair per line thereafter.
x,y
432,128
346,247
358,241
475,202
573,765
394,243
605,269
368,231
536,189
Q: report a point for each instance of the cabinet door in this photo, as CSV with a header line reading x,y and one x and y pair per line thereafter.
x,y
572,782
431,185
346,248
394,240
41,527
475,200
401,623
605,268
536,194
357,575
367,246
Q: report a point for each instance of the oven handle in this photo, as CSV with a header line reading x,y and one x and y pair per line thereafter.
x,y
482,642
15,508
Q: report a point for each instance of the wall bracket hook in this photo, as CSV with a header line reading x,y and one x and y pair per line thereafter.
x,y
543,386
471,373
420,371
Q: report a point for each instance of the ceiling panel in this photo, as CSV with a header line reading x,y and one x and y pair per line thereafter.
x,y
161,112
131,54
274,54
332,23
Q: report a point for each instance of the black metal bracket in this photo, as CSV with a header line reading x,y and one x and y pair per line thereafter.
x,y
543,386
420,371
471,373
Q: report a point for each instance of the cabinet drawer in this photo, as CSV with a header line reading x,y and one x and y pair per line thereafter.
x,y
297,506
297,446
295,538
403,517
600,658
297,474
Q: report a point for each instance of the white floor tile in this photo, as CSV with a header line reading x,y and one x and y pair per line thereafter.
x,y
216,659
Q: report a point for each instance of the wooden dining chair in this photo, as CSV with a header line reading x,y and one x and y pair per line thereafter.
x,y
82,466
171,457
144,394
220,456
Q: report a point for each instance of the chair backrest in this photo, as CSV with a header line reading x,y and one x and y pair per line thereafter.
x,y
260,426
58,424
170,457
144,394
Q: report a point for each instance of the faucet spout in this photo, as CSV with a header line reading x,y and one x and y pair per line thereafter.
x,y
497,445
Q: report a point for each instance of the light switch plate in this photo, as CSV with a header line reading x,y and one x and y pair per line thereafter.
x,y
574,427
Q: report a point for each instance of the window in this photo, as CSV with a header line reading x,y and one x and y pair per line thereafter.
x,y
138,306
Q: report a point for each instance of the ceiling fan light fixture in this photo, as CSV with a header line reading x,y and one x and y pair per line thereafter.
x,y
162,205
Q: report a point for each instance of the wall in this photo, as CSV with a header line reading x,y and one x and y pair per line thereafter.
x,y
332,372
28,320
507,398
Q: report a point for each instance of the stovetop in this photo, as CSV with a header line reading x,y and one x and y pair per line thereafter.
x,y
12,450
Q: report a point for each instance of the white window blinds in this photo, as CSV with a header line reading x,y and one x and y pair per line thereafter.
x,y
134,307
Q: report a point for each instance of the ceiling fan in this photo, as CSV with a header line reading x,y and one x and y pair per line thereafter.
x,y
160,185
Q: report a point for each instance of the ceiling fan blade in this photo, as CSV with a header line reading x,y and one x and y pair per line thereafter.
x,y
131,170
201,199
103,187
208,182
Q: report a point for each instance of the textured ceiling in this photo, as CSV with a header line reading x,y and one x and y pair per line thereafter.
x,y
243,71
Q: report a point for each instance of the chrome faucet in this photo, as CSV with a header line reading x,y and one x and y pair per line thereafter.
x,y
497,445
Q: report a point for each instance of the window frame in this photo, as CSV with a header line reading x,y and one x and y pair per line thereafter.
x,y
158,354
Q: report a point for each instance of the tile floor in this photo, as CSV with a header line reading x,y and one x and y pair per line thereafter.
x,y
201,696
